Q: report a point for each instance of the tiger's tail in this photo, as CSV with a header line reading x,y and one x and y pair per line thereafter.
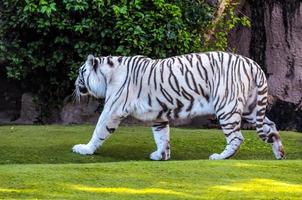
x,y
261,85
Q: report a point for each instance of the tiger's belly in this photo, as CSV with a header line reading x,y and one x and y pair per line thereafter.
x,y
144,112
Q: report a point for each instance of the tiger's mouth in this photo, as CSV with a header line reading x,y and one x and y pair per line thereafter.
x,y
79,91
83,90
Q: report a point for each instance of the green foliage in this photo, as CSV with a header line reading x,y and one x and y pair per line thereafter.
x,y
160,29
44,41
225,23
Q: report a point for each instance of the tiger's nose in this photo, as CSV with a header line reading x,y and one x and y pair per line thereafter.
x,y
83,90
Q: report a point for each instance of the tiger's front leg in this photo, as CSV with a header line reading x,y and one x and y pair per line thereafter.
x,y
161,133
106,125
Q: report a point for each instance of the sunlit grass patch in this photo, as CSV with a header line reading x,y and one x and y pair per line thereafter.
x,y
246,165
132,191
262,185
12,190
199,179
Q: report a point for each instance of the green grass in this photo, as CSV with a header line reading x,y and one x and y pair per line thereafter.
x,y
36,162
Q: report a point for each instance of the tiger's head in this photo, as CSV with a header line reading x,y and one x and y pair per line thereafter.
x,y
91,79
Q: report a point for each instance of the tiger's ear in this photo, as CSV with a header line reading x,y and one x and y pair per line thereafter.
x,y
93,61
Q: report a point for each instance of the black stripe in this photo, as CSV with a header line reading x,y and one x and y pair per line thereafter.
x,y
189,73
230,133
164,108
162,66
120,91
203,93
189,97
203,68
110,130
140,87
163,105
177,110
154,78
160,126
149,100
166,94
181,66
150,73
189,58
120,59
172,76
128,84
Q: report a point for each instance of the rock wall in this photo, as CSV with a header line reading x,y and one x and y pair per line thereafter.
x,y
284,51
85,111
30,112
275,42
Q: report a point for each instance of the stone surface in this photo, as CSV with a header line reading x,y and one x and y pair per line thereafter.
x,y
286,115
29,110
283,46
275,42
240,37
85,111
284,54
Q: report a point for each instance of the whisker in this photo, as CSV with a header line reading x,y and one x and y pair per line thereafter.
x,y
76,96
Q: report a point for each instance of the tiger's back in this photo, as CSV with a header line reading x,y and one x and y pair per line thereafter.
x,y
189,85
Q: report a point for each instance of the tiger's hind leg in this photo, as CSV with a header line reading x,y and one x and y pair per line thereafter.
x,y
268,132
230,124
273,137
161,133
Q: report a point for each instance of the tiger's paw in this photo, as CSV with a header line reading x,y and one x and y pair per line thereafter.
x,y
159,156
278,150
82,149
216,156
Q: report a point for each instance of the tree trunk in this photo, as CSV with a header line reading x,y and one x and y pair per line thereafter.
x,y
275,42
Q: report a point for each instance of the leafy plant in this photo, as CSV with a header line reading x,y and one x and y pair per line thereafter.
x,y
44,42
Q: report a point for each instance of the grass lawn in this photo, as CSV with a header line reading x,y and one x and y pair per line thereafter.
x,y
36,162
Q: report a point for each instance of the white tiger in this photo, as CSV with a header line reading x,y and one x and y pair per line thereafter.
x,y
230,86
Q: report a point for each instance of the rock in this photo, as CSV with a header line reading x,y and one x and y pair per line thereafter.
x,y
52,116
287,116
29,113
85,111
283,53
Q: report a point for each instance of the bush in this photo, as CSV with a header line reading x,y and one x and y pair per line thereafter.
x,y
44,41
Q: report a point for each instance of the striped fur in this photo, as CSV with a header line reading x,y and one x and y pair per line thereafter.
x,y
230,86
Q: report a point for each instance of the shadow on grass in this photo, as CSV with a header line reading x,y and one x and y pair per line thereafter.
x,y
113,152
53,144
